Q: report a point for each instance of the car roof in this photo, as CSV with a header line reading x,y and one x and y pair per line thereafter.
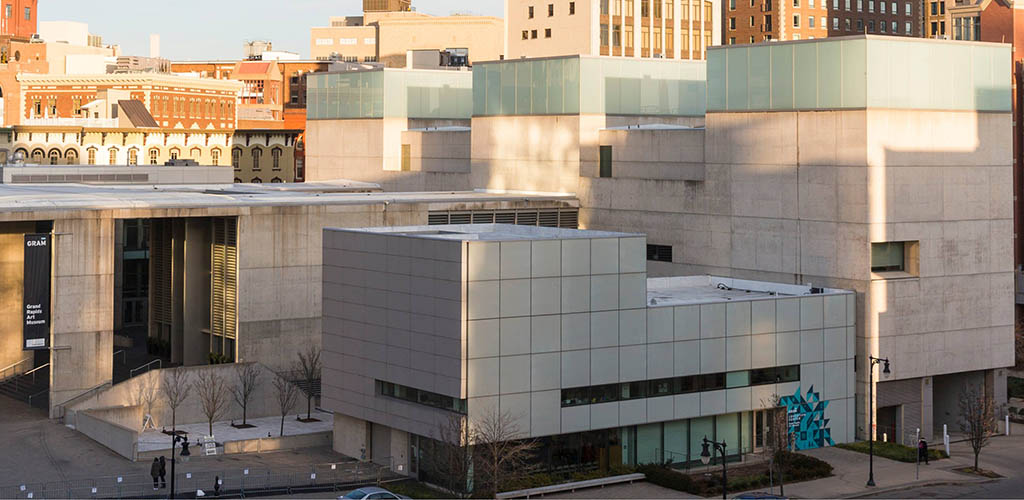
x,y
373,489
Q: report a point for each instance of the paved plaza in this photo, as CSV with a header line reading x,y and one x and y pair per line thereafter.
x,y
224,432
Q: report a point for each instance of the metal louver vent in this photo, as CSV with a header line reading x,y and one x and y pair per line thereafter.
x,y
437,218
160,274
526,218
224,278
548,218
483,217
460,218
505,218
569,219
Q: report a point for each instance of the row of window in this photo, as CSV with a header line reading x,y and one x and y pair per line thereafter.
x,y
625,391
848,24
532,34
551,9
9,12
417,396
648,8
257,155
54,156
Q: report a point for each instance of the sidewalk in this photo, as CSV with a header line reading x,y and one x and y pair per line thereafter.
x,y
850,477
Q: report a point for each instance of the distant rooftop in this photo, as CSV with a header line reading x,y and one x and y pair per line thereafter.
x,y
683,290
48,197
490,232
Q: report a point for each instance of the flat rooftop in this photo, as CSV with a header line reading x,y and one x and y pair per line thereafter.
x,y
49,197
686,290
488,232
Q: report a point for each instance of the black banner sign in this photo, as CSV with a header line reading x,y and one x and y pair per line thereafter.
x,y
36,299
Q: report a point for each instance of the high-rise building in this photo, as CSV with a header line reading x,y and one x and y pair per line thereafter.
x,y
387,5
671,29
753,21
18,18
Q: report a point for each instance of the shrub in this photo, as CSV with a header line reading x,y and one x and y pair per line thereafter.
x,y
668,478
799,467
893,451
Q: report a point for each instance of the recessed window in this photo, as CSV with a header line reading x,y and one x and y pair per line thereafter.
x,y
660,253
732,23
572,8
533,33
551,9
894,257
526,34
547,32
606,161
530,14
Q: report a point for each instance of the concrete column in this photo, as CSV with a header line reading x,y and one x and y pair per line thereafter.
x,y
400,451
351,436
927,409
82,309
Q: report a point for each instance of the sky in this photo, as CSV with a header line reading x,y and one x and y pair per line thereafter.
x,y
216,29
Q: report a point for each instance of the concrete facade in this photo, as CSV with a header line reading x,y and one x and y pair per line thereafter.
x,y
278,259
517,320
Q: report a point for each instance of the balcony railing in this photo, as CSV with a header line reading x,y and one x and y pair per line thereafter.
x,y
73,122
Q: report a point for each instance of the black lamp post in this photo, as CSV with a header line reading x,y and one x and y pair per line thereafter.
x,y
184,456
706,456
871,412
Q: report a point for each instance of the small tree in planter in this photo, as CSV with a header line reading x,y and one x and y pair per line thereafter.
x,y
248,375
175,389
308,369
776,436
213,395
287,397
502,451
977,418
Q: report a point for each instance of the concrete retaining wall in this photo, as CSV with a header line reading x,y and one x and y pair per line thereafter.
x,y
99,424
263,445
131,391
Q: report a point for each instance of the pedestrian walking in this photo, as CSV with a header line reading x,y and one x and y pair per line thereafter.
x,y
216,486
163,472
922,450
154,470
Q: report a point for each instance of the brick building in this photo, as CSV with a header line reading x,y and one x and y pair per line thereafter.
x,y
174,102
18,18
753,21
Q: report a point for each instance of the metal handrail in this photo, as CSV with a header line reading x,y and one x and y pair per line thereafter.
x,y
159,363
45,391
34,370
124,356
12,366
62,408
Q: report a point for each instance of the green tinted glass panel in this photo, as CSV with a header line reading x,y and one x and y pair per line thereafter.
x,y
887,256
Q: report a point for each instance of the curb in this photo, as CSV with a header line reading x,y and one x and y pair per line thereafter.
x,y
919,484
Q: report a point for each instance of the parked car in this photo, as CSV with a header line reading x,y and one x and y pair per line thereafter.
x,y
371,493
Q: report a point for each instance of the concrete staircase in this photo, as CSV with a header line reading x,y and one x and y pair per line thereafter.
x,y
32,387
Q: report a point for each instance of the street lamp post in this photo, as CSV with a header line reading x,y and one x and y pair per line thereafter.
x,y
871,412
705,458
184,456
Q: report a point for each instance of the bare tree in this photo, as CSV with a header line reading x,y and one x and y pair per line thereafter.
x,y
175,388
501,450
213,395
308,369
977,418
287,397
248,375
452,456
776,436
145,395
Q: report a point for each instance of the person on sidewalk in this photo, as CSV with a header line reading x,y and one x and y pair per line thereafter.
x,y
154,470
163,472
922,451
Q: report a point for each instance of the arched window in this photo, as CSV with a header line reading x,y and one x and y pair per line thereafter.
x,y
237,180
257,180
215,157
54,156
23,151
196,154
275,154
71,156
37,156
236,158
154,155
276,180
257,153
91,156
133,156
174,153
113,156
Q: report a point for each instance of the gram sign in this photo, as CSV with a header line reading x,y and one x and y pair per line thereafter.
x,y
36,296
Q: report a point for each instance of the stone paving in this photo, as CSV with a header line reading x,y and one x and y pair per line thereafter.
x,y
223,432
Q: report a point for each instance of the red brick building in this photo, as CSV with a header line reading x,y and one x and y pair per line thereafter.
x,y
18,18
753,21
174,102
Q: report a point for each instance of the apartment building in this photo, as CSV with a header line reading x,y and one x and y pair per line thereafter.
x,y
385,36
19,18
671,29
753,21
